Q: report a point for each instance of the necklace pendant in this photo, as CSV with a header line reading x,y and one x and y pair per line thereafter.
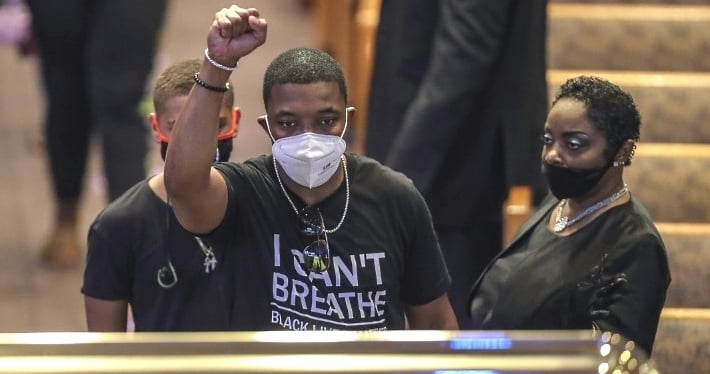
x,y
210,263
560,224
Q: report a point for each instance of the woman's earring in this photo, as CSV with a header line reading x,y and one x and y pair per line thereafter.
x,y
631,155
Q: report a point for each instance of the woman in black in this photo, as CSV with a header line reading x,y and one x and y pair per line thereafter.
x,y
590,257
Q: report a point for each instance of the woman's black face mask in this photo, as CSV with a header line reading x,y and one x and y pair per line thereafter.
x,y
568,183
224,150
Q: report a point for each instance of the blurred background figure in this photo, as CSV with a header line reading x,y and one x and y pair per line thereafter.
x,y
14,22
458,94
96,56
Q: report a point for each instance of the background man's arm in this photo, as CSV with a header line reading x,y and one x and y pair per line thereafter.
x,y
105,315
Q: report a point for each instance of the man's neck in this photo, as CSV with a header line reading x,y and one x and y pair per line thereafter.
x,y
157,185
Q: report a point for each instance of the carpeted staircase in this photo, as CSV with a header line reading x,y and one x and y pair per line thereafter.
x,y
660,52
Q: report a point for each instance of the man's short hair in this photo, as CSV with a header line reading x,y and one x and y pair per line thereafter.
x,y
177,80
303,66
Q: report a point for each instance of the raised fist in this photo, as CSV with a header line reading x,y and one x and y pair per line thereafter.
x,y
234,33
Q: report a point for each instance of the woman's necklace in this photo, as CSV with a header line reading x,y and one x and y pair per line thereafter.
x,y
347,194
563,222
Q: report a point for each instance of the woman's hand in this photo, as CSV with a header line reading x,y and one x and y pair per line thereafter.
x,y
595,293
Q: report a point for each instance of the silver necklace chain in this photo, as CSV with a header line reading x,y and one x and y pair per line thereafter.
x,y
563,222
347,194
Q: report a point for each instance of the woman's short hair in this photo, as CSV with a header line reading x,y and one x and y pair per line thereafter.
x,y
610,109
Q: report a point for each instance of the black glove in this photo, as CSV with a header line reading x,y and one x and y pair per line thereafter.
x,y
595,294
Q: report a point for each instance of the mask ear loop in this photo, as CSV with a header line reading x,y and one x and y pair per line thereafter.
x,y
348,109
268,127
167,276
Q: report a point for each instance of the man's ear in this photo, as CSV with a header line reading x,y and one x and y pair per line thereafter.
x,y
262,122
155,130
351,112
350,115
236,117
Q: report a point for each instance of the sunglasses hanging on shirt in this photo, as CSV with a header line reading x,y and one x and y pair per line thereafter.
x,y
317,254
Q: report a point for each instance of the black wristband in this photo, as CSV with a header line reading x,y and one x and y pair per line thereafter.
x,y
204,85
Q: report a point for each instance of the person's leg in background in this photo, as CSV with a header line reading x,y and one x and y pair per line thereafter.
x,y
122,45
60,31
467,252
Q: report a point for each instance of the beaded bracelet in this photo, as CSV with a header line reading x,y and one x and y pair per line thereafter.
x,y
217,64
203,84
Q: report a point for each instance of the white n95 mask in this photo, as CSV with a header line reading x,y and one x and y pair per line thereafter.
x,y
309,159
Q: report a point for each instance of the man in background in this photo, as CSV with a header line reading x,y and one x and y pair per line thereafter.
x,y
458,96
138,254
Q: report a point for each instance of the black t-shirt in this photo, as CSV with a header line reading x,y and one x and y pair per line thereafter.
x,y
128,243
384,256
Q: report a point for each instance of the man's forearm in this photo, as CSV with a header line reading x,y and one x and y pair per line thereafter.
x,y
194,137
